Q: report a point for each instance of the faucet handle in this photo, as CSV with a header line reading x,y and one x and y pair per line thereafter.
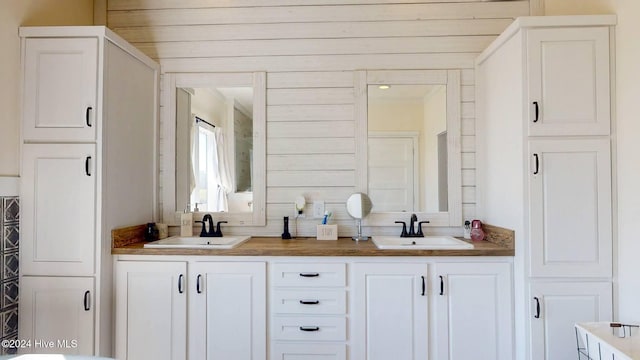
x,y
404,228
218,232
203,232
420,234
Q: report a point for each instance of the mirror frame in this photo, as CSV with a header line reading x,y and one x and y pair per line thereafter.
x,y
256,80
450,78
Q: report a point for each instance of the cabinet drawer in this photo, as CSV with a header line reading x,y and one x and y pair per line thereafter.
x,y
309,328
308,351
312,274
309,301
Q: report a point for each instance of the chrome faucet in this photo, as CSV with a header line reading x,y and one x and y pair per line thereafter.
x,y
208,229
412,232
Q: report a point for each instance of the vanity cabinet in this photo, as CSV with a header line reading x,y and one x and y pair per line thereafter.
x,y
472,311
338,308
308,310
544,92
390,311
227,310
90,106
190,309
151,310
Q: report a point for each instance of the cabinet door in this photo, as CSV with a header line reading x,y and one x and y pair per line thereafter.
x,y
473,311
568,73
227,310
60,85
389,312
151,310
556,307
57,314
570,208
58,197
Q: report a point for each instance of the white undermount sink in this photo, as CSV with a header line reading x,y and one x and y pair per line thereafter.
x,y
420,243
180,242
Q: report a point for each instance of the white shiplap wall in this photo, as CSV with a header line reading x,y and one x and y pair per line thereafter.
x,y
309,49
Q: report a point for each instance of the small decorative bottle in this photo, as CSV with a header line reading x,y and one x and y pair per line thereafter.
x,y
467,229
476,231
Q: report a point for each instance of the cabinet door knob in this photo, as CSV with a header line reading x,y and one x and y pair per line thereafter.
x,y
537,315
87,300
87,115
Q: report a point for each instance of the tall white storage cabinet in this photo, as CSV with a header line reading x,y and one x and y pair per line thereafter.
x,y
89,132
545,170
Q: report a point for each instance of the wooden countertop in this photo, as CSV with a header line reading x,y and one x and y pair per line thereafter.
x,y
274,246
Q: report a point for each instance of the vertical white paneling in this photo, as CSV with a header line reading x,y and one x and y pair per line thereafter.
x,y
454,146
361,132
259,143
309,54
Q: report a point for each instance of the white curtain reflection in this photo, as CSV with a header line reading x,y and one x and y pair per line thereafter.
x,y
211,175
224,182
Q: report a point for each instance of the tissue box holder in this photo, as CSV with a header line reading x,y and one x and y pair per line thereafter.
x,y
327,232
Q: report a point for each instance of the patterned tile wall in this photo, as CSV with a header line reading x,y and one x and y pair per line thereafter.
x,y
9,239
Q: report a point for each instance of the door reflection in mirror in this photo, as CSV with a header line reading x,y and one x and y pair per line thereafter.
x,y
407,147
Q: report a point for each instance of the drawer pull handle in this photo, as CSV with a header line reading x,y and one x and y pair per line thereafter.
x,y
537,315
309,274
87,300
86,165
86,115
441,285
198,289
180,288
424,287
309,302
537,111
309,328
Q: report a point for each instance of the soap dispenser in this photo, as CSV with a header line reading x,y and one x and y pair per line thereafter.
x,y
186,222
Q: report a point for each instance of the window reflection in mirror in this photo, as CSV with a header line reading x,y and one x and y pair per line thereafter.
x,y
407,148
214,149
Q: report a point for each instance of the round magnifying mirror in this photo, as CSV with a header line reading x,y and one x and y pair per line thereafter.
x,y
358,207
